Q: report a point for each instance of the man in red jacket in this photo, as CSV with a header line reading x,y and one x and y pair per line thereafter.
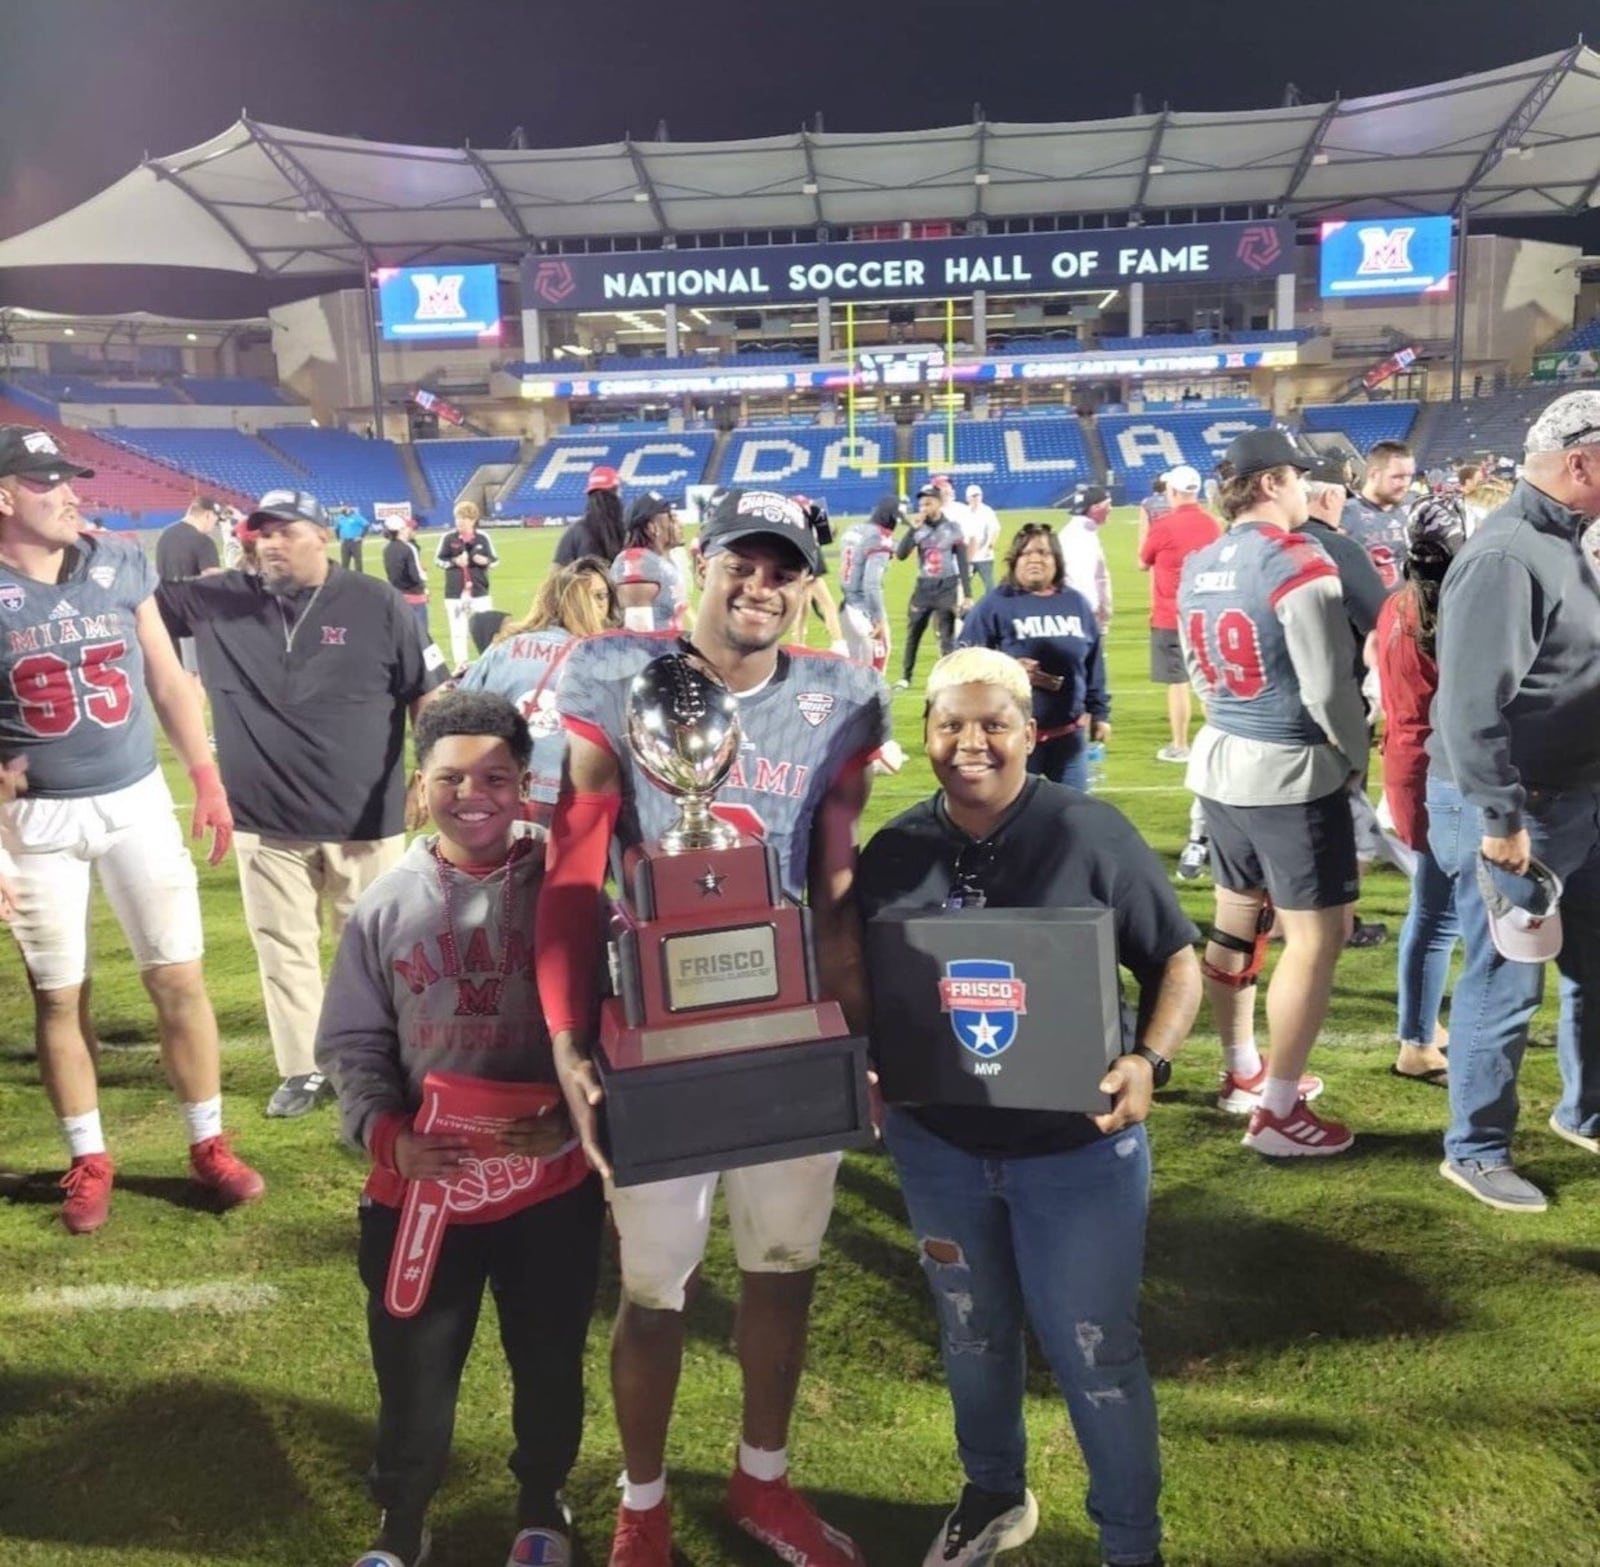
x,y
1170,539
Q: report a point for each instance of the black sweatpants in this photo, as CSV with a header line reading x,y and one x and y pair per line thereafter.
x,y
541,1264
350,554
939,605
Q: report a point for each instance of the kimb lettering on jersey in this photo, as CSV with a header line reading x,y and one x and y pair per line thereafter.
x,y
984,998
1385,251
439,296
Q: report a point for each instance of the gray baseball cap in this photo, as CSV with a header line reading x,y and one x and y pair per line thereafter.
x,y
1572,420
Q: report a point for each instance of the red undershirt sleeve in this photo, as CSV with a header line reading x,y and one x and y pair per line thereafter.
x,y
568,919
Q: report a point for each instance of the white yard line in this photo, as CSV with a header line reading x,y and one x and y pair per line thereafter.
x,y
221,1299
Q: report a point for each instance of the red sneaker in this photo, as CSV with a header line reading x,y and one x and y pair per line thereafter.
x,y
1297,1135
643,1539
1242,1095
215,1166
782,1519
88,1188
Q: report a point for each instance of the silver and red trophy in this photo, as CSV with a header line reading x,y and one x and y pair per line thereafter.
x,y
718,1049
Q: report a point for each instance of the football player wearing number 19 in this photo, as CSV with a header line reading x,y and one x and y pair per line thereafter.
x,y
84,657
1267,645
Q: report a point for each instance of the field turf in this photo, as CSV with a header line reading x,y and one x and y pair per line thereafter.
x,y
1355,1364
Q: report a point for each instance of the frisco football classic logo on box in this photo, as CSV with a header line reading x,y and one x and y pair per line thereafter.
x,y
984,999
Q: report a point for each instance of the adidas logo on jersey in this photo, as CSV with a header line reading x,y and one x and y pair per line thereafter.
x,y
63,611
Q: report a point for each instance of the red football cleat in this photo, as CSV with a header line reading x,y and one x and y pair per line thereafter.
x,y
781,1518
215,1166
643,1538
88,1188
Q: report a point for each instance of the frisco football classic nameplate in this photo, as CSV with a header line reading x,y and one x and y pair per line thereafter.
x,y
716,968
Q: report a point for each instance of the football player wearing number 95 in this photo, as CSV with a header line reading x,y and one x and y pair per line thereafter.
x,y
83,660
1268,648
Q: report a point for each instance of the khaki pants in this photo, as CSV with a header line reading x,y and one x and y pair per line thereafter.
x,y
284,882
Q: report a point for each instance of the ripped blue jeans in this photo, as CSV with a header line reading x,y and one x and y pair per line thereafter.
x,y
1056,1241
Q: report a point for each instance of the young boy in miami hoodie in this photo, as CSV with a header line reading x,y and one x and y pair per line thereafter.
x,y
434,1038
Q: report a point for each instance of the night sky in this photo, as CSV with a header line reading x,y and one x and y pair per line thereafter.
x,y
87,85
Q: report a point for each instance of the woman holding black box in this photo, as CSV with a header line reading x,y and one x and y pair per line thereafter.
x,y
1030,1215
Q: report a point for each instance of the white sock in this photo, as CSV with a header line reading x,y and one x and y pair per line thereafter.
x,y
761,1464
641,1498
204,1119
83,1134
1279,1094
1242,1060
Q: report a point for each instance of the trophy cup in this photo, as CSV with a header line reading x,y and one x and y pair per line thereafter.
x,y
718,1050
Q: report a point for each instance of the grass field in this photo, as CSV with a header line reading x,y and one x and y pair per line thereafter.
x,y
1355,1364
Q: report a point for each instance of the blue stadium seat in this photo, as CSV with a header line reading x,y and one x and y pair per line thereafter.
x,y
1140,446
447,464
1484,424
225,458
554,483
339,468
1019,462
88,389
233,391
1364,423
817,461
1162,340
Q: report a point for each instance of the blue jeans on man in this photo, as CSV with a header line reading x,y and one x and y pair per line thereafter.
x,y
1055,1241
1495,1000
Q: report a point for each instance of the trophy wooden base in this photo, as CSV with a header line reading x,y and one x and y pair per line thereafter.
x,y
722,1112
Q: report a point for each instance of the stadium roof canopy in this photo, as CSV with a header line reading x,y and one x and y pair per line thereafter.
x,y
1521,141
21,325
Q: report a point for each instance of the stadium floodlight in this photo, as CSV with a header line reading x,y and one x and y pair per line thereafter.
x,y
1158,168
641,196
809,187
980,178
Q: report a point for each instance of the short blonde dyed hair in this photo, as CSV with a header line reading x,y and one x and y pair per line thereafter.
x,y
981,666
467,511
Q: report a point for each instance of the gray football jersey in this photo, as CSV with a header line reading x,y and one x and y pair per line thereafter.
x,y
1233,640
865,552
72,693
818,716
526,670
1382,534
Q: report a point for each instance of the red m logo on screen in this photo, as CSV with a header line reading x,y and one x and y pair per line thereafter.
x,y
439,296
1385,250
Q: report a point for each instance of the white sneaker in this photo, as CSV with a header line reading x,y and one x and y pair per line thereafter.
x,y
1297,1135
1173,753
980,1526
1577,1139
1242,1095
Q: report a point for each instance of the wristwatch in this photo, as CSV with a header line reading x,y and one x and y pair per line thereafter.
x,y
1160,1066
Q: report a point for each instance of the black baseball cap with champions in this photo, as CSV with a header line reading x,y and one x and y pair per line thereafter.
x,y
34,454
743,514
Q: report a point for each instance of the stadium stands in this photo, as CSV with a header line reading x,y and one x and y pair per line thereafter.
x,y
1162,340
1481,425
232,391
554,483
1019,462
224,458
339,468
447,464
1580,337
1140,446
58,389
1364,423
814,460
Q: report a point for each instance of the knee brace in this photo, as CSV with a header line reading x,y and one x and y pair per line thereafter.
x,y
1257,950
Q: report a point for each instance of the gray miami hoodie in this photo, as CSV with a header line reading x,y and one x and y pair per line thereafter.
x,y
434,973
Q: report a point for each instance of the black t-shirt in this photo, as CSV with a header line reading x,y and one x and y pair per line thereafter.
x,y
1359,583
309,696
402,568
184,551
466,564
1055,849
